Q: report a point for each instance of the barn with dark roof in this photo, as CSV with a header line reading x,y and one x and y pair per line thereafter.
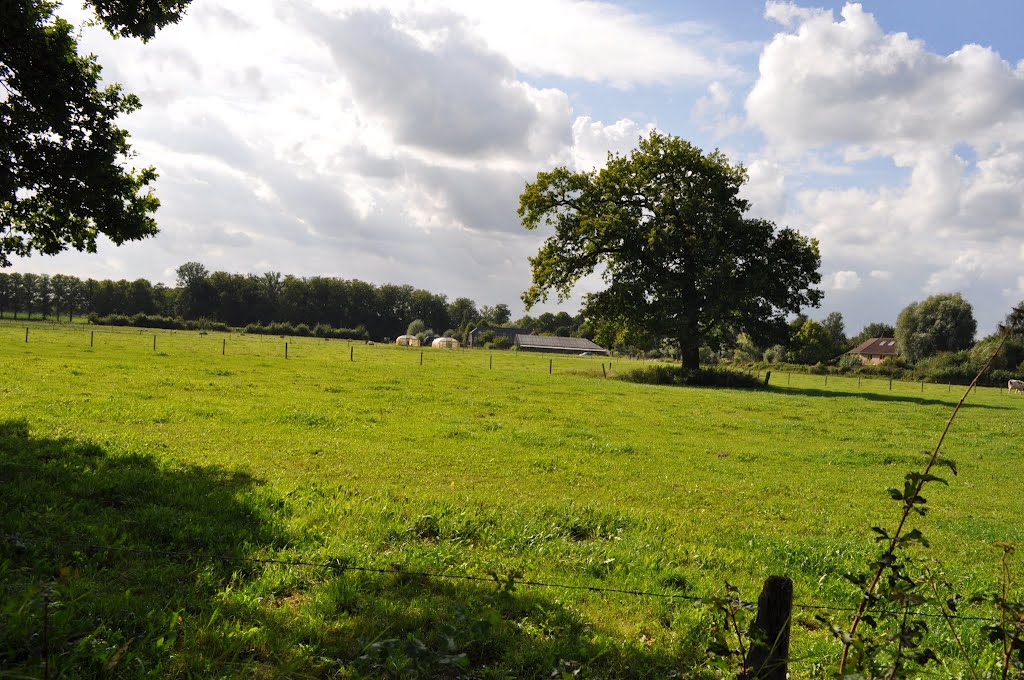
x,y
557,345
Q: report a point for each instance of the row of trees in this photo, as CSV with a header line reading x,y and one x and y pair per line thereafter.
x,y
242,299
61,296
941,323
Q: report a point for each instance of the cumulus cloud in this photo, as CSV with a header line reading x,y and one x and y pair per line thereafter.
x,y
766,189
849,81
963,271
593,140
440,89
790,14
714,111
844,280
932,146
599,42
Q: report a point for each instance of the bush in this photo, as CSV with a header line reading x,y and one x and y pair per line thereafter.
x,y
500,342
154,321
776,354
701,377
321,330
849,361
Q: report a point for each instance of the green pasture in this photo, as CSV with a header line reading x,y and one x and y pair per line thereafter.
x,y
138,486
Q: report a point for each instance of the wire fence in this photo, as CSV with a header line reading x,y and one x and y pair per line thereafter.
x,y
345,564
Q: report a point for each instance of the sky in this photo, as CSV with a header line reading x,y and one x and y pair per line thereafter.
x,y
389,141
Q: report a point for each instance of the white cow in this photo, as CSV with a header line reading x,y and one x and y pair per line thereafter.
x,y
1015,386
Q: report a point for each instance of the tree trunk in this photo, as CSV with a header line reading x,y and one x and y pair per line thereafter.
x,y
689,353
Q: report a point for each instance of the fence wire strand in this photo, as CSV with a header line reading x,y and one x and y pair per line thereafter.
x,y
341,565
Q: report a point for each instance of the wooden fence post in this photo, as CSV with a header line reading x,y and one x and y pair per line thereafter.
x,y
26,333
604,371
223,346
154,342
551,363
769,647
92,335
351,353
890,384
286,350
767,377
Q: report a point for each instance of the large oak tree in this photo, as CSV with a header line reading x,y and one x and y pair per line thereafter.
x,y
64,178
666,228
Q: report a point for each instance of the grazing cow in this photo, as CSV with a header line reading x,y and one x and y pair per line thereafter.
x,y
1015,386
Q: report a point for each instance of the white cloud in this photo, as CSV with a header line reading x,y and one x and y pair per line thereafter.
x,y
766,190
963,271
714,111
594,140
438,88
844,280
790,14
848,81
932,146
599,42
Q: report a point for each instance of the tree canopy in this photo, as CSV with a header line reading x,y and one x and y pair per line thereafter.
x,y
940,323
63,175
666,228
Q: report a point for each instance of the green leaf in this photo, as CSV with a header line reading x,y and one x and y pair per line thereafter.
x,y
914,536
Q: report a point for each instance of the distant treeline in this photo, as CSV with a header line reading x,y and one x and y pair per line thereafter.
x,y
269,303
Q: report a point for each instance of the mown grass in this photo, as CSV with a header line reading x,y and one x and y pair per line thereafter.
x,y
361,456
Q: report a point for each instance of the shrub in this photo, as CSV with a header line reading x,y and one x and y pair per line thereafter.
x,y
849,361
321,330
701,377
776,354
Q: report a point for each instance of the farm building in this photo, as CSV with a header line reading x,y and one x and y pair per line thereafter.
x,y
497,331
874,350
407,341
557,345
445,343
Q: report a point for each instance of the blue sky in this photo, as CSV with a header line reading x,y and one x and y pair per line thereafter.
x,y
388,140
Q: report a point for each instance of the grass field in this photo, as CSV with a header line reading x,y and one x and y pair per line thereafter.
x,y
220,450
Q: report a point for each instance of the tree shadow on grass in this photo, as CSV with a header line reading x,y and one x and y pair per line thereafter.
x,y
117,565
874,396
84,537
405,625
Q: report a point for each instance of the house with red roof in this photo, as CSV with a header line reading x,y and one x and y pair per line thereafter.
x,y
875,350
